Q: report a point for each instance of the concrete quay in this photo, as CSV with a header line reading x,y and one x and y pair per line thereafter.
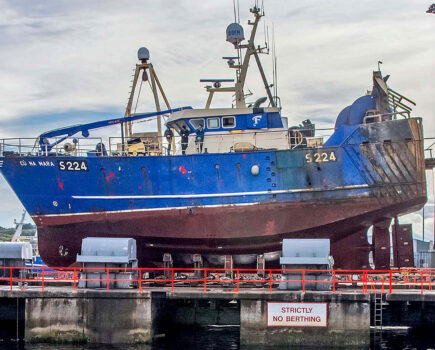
x,y
129,316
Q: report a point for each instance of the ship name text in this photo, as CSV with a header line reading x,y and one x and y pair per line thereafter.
x,y
45,163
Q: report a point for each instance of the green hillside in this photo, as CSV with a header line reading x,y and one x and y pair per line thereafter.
x,y
7,233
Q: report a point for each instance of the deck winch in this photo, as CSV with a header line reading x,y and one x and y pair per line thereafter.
x,y
116,254
306,254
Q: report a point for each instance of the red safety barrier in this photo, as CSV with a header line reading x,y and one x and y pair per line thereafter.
x,y
364,281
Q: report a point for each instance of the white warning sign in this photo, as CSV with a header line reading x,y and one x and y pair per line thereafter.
x,y
297,314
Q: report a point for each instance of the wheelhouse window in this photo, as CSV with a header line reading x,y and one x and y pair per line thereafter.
x,y
213,123
197,122
179,125
228,122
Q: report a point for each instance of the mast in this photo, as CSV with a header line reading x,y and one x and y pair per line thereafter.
x,y
235,36
251,50
156,87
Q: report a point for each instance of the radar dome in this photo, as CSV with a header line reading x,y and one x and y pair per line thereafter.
x,y
235,34
143,54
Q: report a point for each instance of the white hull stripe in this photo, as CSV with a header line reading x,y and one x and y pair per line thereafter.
x,y
213,195
165,208
146,209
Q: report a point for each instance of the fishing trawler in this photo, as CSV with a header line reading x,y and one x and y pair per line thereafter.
x,y
238,184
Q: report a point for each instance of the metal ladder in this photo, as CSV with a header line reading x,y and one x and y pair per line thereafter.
x,y
377,317
399,103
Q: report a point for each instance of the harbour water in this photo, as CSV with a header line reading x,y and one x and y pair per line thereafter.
x,y
216,338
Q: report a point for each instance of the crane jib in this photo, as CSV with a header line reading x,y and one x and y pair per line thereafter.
x,y
84,128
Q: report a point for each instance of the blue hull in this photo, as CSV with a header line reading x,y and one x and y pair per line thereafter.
x,y
376,173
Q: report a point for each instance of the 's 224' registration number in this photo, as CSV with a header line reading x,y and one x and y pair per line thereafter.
x,y
76,165
320,157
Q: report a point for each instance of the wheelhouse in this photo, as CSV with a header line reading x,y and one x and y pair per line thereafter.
x,y
225,130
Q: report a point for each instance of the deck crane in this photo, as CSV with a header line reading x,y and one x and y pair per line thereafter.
x,y
19,228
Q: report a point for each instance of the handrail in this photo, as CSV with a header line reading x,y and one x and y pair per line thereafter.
x,y
26,148
220,142
226,144
155,145
405,114
401,96
364,281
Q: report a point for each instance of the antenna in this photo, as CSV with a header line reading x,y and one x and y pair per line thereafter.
x,y
235,14
238,12
265,33
274,62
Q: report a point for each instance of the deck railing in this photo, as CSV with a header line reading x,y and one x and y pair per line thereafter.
x,y
359,281
151,145
30,147
157,146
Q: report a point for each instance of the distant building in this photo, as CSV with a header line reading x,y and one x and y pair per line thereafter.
x,y
424,254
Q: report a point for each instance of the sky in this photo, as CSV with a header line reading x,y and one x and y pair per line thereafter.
x,y
65,62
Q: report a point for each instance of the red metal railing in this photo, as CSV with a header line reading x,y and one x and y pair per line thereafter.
x,y
364,281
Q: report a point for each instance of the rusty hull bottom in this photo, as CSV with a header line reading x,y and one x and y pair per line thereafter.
x,y
253,229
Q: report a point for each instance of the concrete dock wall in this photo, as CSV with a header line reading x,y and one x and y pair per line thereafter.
x,y
188,312
129,316
348,324
89,319
348,317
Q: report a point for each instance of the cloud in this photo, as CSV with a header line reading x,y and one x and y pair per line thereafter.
x,y
416,219
66,62
11,207
78,55
26,125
